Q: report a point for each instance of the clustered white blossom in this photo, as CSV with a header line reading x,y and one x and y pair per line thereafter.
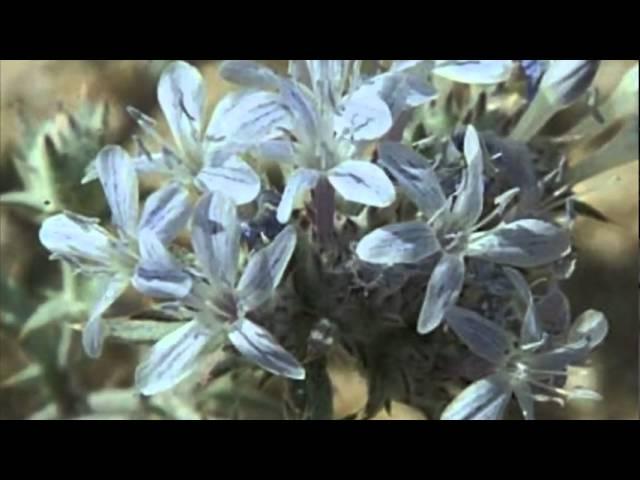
x,y
321,124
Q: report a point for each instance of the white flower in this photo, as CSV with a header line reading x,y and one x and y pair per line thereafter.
x,y
452,229
526,367
139,247
222,302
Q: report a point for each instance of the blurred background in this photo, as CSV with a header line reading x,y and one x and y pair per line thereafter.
x,y
37,99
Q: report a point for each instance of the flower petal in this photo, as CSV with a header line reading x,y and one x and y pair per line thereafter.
x,y
415,177
181,94
265,269
77,239
234,177
591,325
247,73
531,331
362,182
443,290
524,395
280,151
260,347
158,274
166,212
363,116
480,72
302,109
300,181
554,312
119,180
483,337
485,399
247,118
172,359
523,243
407,242
216,238
468,206
94,331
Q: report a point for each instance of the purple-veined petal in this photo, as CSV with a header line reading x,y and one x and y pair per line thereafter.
x,y
181,94
415,177
524,395
260,347
300,181
480,72
248,73
591,325
158,274
523,243
216,238
77,238
443,290
483,337
485,399
363,116
265,269
166,212
120,184
362,182
172,359
554,312
234,177
531,331
303,110
468,206
280,151
407,242
94,331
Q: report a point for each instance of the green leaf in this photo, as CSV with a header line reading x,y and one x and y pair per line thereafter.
x,y
140,331
30,373
52,311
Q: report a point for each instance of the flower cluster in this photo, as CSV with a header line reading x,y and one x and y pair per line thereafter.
x,y
409,222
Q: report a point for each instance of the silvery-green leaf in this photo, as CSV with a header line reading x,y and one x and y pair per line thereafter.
x,y
280,151
158,274
302,109
235,178
260,347
181,94
75,237
172,359
485,399
140,331
523,243
31,373
265,270
531,331
483,337
591,325
362,182
247,73
215,235
414,175
480,72
468,206
247,118
49,312
166,212
363,116
300,181
524,395
94,331
120,183
407,242
27,199
565,80
443,290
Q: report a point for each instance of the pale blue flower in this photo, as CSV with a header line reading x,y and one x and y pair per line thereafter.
x,y
452,229
221,302
138,247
